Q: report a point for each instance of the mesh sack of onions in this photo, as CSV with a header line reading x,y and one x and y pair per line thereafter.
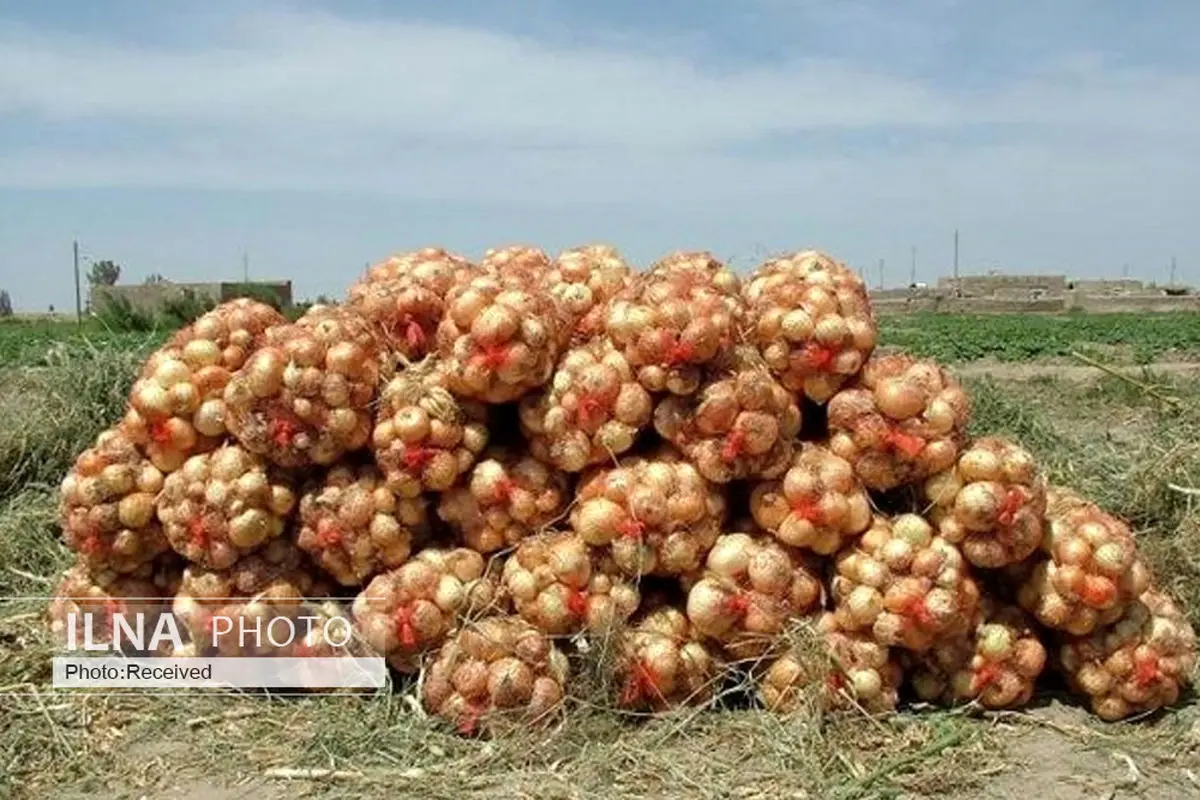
x,y
176,407
103,595
583,281
657,514
304,397
660,664
405,297
354,526
903,420
904,585
990,503
671,322
219,506
106,506
714,271
753,586
495,673
811,317
562,586
997,663
829,668
272,583
508,496
739,425
408,611
592,410
1138,664
525,263
818,505
1092,571
424,438
499,338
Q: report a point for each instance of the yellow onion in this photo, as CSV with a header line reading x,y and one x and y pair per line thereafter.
x,y
902,420
562,586
104,594
591,411
840,669
818,505
752,587
656,514
500,337
990,503
354,526
509,496
674,320
176,408
1091,569
1137,664
583,281
996,663
496,673
410,610
106,506
525,263
662,664
404,298
424,438
305,397
811,317
275,581
219,506
904,585
740,424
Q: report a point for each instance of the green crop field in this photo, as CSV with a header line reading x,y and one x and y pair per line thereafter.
x,y
1132,443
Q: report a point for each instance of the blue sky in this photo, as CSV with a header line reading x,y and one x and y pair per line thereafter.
x,y
172,137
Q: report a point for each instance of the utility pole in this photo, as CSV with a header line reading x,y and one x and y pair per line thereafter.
x,y
1172,271
245,267
78,296
1125,270
956,257
912,270
881,273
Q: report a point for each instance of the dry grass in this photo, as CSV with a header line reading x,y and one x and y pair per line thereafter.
x,y
1119,444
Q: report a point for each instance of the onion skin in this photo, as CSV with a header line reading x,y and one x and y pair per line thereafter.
x,y
655,514
272,582
904,585
741,423
508,497
751,589
1089,570
990,504
811,317
591,411
670,322
176,408
832,669
406,612
661,664
493,674
818,505
901,420
404,298
355,527
106,506
103,593
1135,665
222,505
584,281
305,397
561,586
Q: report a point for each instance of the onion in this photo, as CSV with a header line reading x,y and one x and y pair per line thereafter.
x,y
656,514
522,676
818,505
106,506
561,586
661,664
901,420
584,281
1136,664
507,498
592,410
224,504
